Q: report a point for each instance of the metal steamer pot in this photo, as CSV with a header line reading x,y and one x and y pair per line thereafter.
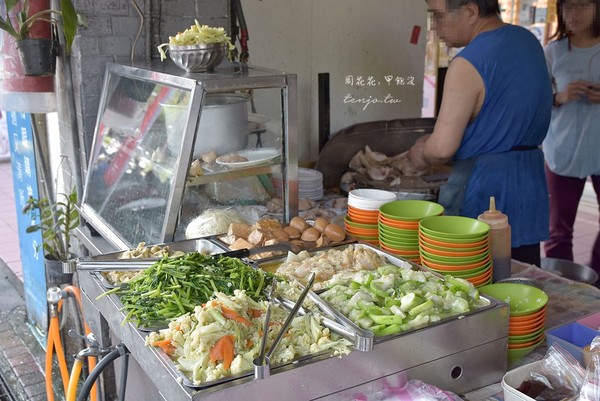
x,y
223,125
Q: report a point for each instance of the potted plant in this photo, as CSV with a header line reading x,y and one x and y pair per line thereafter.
x,y
57,221
43,51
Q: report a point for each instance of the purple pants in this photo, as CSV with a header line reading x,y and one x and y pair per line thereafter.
x,y
565,194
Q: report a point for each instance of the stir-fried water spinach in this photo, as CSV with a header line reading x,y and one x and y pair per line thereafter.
x,y
173,286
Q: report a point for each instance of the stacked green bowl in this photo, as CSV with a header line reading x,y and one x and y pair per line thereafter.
x,y
458,246
526,327
398,226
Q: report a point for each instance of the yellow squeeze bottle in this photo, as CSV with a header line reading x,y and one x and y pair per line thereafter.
x,y
499,240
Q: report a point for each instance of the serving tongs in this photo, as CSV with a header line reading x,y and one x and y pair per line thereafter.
x,y
363,339
145,263
340,324
115,264
262,364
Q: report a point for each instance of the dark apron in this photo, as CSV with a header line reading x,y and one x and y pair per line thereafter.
x,y
452,193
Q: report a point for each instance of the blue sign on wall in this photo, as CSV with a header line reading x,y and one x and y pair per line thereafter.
x,y
25,183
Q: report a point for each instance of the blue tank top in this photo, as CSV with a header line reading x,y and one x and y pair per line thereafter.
x,y
503,140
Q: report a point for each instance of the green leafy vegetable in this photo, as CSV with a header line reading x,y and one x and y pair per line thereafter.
x,y
174,286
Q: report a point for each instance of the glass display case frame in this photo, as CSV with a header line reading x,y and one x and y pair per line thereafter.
x,y
123,153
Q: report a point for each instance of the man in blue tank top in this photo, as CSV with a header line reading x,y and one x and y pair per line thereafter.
x,y
494,114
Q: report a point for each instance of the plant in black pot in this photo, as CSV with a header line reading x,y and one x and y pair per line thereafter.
x,y
57,221
38,54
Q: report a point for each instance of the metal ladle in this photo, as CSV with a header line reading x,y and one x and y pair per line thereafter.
x,y
262,364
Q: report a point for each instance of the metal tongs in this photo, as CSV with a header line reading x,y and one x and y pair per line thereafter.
x,y
117,264
363,339
262,364
337,322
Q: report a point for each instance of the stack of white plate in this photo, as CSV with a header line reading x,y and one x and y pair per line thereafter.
x,y
310,184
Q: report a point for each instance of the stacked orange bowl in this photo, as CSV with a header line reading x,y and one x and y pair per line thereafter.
x,y
363,211
527,319
398,225
458,246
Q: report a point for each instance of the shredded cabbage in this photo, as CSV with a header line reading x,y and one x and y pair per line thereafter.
x,y
194,334
197,35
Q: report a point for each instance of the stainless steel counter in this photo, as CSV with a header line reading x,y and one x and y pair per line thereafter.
x,y
459,355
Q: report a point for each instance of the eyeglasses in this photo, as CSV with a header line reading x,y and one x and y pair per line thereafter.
x,y
438,16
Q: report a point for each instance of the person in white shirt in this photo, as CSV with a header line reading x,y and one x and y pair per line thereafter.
x,y
572,145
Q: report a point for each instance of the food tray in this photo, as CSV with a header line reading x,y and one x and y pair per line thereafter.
x,y
105,283
391,259
205,244
209,245
231,380
104,264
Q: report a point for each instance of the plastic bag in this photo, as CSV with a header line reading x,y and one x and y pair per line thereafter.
x,y
416,390
413,390
559,377
590,389
212,222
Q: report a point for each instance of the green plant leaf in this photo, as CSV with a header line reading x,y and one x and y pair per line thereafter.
x,y
10,4
57,221
7,26
69,17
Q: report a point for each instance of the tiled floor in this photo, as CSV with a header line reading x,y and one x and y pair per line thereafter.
x,y
586,225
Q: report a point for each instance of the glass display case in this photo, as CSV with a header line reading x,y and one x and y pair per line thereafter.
x,y
169,145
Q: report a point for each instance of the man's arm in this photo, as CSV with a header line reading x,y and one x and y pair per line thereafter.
x,y
463,96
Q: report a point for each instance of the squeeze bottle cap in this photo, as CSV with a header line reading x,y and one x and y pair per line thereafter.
x,y
493,217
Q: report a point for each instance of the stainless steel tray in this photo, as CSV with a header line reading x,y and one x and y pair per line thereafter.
x,y
241,377
330,310
205,244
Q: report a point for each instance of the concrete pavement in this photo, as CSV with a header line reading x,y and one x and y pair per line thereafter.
x,y
21,355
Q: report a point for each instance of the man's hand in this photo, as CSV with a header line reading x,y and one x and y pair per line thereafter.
x,y
416,156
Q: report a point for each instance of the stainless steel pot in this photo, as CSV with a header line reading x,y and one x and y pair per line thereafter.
x,y
571,270
223,125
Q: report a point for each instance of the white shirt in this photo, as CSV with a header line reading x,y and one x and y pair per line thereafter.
x,y
572,146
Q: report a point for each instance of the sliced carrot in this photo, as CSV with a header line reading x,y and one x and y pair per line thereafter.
x,y
255,313
223,350
233,315
166,345
249,343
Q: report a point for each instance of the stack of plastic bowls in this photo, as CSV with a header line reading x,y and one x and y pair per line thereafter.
x,y
398,226
527,319
310,184
363,211
458,246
